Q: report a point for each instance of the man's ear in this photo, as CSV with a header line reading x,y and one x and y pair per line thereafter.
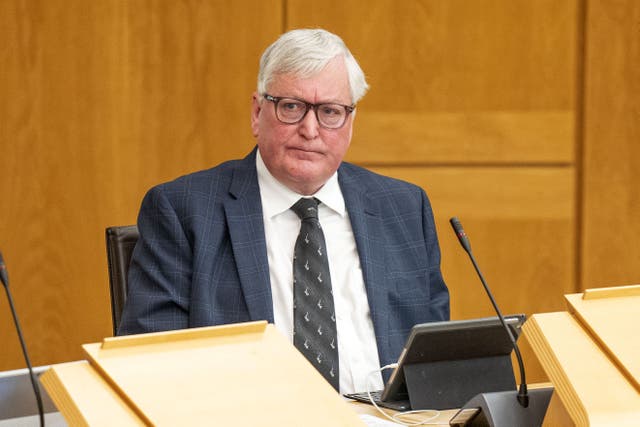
x,y
256,106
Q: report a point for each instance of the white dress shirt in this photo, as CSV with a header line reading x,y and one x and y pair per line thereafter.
x,y
357,347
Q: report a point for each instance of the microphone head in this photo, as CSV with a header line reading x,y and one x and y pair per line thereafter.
x,y
455,223
462,236
4,276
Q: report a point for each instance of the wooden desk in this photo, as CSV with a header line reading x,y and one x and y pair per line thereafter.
x,y
228,374
592,356
364,408
88,400
240,374
99,405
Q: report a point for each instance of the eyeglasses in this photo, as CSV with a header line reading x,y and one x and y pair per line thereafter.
x,y
292,110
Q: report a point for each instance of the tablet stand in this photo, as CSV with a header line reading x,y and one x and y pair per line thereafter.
x,y
450,384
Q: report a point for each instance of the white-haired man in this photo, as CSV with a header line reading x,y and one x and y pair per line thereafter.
x,y
221,246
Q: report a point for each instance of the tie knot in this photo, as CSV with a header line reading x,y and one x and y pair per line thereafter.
x,y
306,208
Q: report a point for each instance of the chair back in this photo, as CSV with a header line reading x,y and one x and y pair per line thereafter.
x,y
120,243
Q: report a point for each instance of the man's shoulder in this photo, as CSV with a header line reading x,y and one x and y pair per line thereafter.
x,y
374,182
216,176
220,171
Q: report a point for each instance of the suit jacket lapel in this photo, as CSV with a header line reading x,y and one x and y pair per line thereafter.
x,y
366,221
243,211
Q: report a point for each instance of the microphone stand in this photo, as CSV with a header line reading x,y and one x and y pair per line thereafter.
x,y
501,409
4,278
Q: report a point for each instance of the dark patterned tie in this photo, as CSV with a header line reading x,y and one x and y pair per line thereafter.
x,y
314,319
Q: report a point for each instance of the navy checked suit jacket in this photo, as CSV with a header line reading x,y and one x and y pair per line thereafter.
x,y
202,259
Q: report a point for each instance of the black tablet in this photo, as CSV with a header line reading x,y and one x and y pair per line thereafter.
x,y
456,343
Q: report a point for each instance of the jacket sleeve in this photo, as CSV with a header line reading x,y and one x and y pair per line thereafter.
x,y
439,305
160,272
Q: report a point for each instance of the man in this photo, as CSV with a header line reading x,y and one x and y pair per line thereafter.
x,y
221,246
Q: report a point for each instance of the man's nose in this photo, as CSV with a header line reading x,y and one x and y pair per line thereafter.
x,y
309,126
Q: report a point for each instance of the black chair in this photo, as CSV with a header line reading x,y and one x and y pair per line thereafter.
x,y
120,243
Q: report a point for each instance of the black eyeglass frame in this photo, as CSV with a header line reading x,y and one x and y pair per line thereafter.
x,y
308,106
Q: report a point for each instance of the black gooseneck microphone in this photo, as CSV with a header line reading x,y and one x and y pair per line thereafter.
x,y
4,277
523,395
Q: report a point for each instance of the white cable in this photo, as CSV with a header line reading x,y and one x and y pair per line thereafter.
x,y
396,417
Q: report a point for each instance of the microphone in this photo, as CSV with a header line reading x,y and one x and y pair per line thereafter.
x,y
4,278
523,395
496,406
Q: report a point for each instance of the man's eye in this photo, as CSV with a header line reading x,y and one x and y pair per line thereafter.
x,y
329,110
291,106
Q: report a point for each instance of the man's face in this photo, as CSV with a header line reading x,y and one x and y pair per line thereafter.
x,y
303,155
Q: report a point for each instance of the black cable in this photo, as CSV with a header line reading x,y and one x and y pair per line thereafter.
x,y
4,278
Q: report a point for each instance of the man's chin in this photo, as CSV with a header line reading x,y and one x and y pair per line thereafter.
x,y
306,181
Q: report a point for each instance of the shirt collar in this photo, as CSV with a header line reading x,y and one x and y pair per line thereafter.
x,y
278,198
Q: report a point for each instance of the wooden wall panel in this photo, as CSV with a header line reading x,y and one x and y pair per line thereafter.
x,y
451,81
187,75
456,54
611,175
485,137
106,99
55,132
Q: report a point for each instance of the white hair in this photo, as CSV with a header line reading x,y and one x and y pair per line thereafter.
x,y
306,52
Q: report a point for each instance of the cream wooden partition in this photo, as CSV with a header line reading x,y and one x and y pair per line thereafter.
x,y
480,102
